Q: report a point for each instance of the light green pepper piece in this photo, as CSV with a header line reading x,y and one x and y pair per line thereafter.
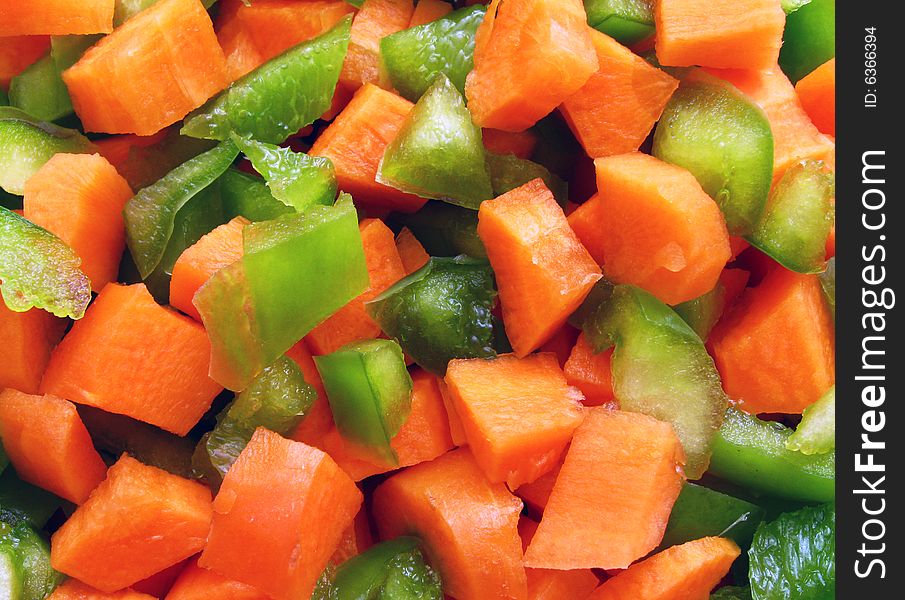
x,y
626,21
816,434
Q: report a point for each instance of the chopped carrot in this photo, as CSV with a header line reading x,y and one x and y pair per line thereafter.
x,y
112,88
319,419
817,94
279,516
375,20
48,444
55,17
619,481
427,11
561,343
469,526
550,584
616,109
341,98
542,270
356,539
456,431
831,243
131,356
537,493
27,339
519,143
159,584
80,199
197,583
737,245
72,589
411,252
585,222
168,519
19,51
590,372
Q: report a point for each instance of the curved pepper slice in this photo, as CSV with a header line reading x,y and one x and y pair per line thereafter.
x,y
809,38
816,434
626,21
247,195
702,512
508,172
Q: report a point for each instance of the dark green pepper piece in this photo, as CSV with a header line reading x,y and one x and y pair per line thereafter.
x,y
447,230
809,39
22,502
626,21
393,570
508,172
703,512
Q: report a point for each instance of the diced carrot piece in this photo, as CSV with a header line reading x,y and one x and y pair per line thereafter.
x,y
744,34
549,584
116,148
72,589
279,516
356,539
688,571
355,143
375,20
427,11
817,94
529,56
561,343
734,282
149,73
456,431
197,583
411,252
138,521
131,356
469,526
352,322
775,350
537,493
159,584
80,199
519,143
518,413
831,243
48,444
341,98
590,372
19,51
318,420
619,480
55,17
27,339
585,222
198,263
616,109
542,270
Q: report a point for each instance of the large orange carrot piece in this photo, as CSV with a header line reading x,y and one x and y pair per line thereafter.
x,y
19,51
375,20
427,11
55,17
80,199
542,270
352,322
688,571
537,493
655,227
72,589
518,413
519,143
744,34
613,495
529,56
550,584
616,109
215,250
468,525
150,72
196,583
27,339
817,93
591,373
355,142
318,420
775,350
356,539
48,444
138,521
158,584
279,515
131,356
411,252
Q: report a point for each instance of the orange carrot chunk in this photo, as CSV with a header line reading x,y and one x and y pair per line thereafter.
x,y
197,583
72,589
278,516
55,17
18,52
131,356
427,11
158,584
150,72
817,93
375,20
542,270
656,227
356,539
319,419
537,493
80,199
27,339
688,571
117,148
585,222
775,350
215,250
138,521
529,56
411,252
518,413
613,495
744,34
549,584
616,109
591,373
469,526
519,143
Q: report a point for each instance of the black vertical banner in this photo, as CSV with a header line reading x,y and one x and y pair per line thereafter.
x,y
870,435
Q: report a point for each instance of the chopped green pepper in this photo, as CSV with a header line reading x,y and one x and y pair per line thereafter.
x,y
508,172
22,545
39,90
247,195
22,502
809,39
731,593
702,512
626,21
816,434
703,312
145,165
828,283
392,570
447,230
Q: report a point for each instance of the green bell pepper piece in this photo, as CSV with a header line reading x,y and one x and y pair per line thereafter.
x,y
412,58
446,230
828,283
4,99
790,6
508,172
246,195
816,434
440,312
297,270
731,593
438,152
725,140
281,96
626,21
752,453
392,570
703,512
809,39
146,165
661,368
799,215
703,312
39,90
370,392
39,270
599,294
794,556
12,576
32,552
27,143
151,214
22,502
294,178
277,399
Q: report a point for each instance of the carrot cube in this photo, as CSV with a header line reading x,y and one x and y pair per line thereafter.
x,y
590,372
55,17
196,583
375,20
27,339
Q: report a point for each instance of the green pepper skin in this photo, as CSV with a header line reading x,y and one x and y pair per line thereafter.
x,y
370,392
33,554
828,284
731,593
661,368
278,98
816,434
447,230
752,454
39,90
412,58
246,195
809,39
703,512
725,141
22,502
438,152
4,99
794,556
508,172
703,312
626,21
440,312
392,570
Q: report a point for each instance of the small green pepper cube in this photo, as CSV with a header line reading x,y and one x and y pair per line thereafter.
x,y
392,570
626,21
